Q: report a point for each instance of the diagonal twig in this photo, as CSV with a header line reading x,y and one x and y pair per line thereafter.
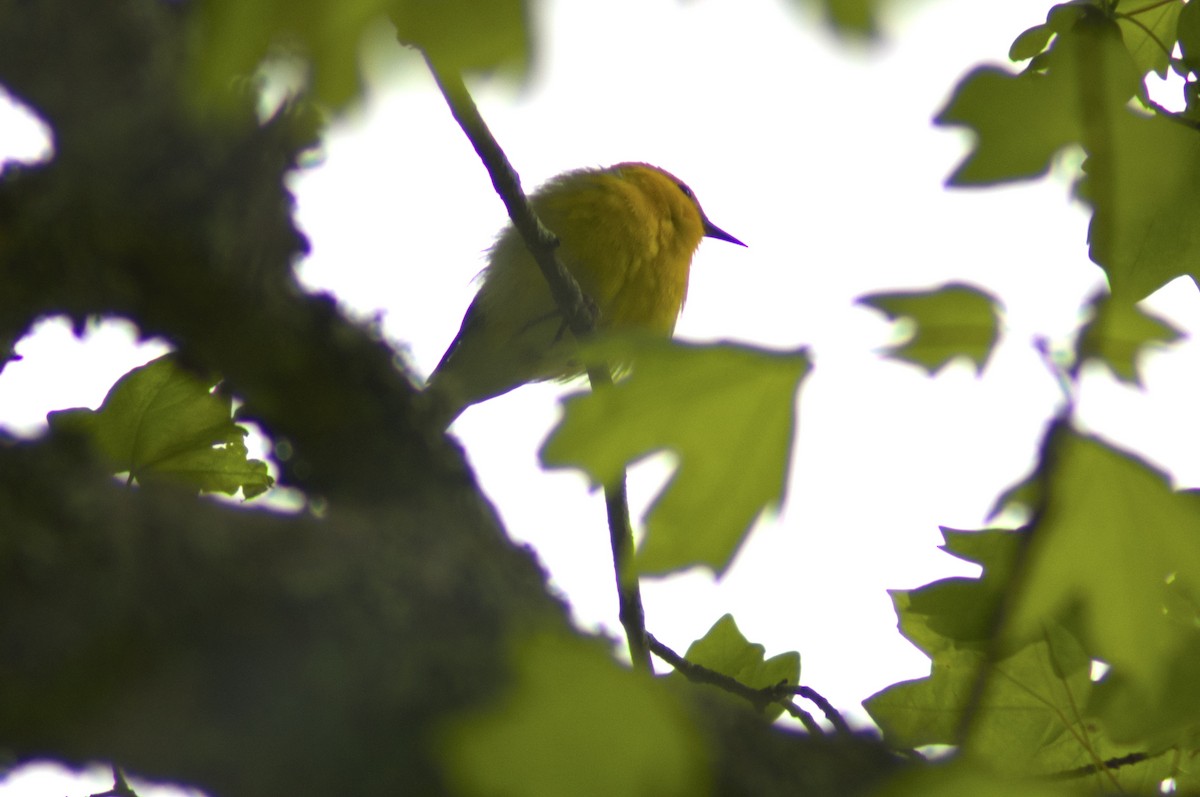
x,y
580,318
780,693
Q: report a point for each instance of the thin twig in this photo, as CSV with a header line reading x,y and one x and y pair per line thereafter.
x,y
580,318
577,312
121,787
629,593
1091,769
758,698
832,714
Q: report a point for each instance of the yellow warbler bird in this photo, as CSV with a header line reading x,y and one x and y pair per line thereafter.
x,y
626,233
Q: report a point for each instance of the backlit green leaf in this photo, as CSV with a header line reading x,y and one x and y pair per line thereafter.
x,y
1117,334
233,37
160,422
724,650
726,412
1188,30
1148,28
1031,716
1022,121
1146,196
1112,541
952,321
467,35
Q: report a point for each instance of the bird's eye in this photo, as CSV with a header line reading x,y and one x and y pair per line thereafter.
x,y
687,192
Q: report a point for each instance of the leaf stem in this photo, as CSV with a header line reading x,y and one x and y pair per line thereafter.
x,y
629,593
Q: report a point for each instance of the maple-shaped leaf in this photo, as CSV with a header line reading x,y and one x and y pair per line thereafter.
x,y
1112,542
1022,121
1024,723
954,320
1031,716
723,649
576,723
161,422
1118,332
726,412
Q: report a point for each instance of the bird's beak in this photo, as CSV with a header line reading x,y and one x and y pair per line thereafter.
x,y
713,231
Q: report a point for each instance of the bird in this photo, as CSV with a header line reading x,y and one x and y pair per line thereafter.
x,y
627,234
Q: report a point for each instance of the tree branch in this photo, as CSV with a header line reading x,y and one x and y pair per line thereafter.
x,y
579,315
629,592
758,698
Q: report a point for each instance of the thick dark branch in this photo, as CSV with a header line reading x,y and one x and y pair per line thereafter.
x,y
183,223
172,633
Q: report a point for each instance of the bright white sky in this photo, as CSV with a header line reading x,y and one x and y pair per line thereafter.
x,y
822,158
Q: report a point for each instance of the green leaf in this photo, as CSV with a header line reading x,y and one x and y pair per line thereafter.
x,y
1118,332
1145,189
467,35
1030,719
960,612
1022,725
927,710
1188,31
724,650
1060,19
855,18
1111,542
233,37
1156,719
728,415
160,422
1030,42
957,778
1022,121
1149,30
576,723
1031,716
952,321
